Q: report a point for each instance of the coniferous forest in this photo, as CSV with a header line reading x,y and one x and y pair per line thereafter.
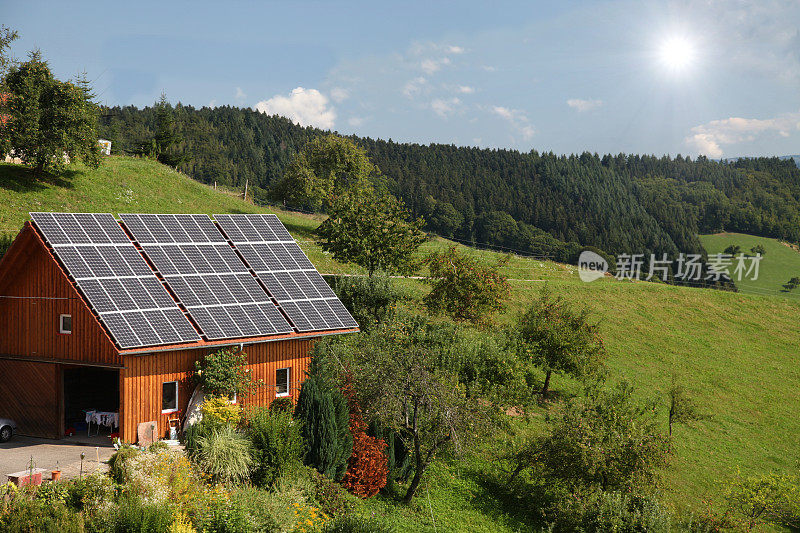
x,y
536,203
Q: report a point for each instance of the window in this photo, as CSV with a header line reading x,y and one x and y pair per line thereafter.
x,y
169,397
282,376
65,324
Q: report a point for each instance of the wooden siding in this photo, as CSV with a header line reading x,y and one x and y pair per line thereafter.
x,y
34,291
32,398
142,377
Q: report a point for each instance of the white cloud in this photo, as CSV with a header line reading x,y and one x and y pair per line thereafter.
x,y
433,65
709,138
466,89
584,105
240,94
355,121
455,49
339,95
307,107
414,87
443,108
212,104
517,118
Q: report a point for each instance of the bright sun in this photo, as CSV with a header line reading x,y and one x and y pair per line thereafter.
x,y
677,53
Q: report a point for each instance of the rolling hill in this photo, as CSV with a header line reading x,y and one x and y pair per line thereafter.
x,y
778,265
735,352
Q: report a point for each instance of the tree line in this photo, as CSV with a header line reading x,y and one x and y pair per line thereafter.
x,y
537,203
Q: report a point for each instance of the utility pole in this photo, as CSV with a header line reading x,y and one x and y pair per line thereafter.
x,y
245,189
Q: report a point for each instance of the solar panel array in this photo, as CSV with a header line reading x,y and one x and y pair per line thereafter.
x,y
287,273
117,282
201,268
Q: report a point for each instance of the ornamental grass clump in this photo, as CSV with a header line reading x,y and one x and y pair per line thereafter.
x,y
225,454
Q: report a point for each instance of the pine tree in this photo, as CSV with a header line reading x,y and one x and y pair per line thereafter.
x,y
325,417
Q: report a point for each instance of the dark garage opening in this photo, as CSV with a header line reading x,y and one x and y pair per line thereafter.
x,y
89,389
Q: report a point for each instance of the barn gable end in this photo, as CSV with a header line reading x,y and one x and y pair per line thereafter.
x,y
34,292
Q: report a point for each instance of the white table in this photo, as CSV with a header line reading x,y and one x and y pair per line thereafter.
x,y
109,419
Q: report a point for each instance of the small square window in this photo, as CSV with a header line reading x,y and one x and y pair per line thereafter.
x,y
169,397
282,377
65,324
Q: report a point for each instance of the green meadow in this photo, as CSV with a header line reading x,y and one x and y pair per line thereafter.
x,y
735,352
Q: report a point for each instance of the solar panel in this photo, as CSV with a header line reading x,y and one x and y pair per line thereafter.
x,y
116,280
204,272
283,268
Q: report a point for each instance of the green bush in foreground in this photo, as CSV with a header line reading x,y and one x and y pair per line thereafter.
x,y
30,515
277,444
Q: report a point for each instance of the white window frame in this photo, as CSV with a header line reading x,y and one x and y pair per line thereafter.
x,y
177,392
61,324
288,383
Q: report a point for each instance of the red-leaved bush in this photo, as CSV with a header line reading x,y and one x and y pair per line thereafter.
x,y
367,468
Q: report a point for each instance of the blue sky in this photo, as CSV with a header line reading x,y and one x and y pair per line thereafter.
x,y
718,77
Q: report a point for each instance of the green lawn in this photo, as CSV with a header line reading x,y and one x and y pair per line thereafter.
x,y
736,352
778,265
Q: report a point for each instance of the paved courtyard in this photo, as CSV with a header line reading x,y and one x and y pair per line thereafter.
x,y
15,455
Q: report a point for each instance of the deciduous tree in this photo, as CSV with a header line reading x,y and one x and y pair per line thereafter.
x,y
49,119
371,229
326,166
560,339
606,439
463,288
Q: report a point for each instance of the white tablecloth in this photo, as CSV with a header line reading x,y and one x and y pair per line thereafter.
x,y
103,418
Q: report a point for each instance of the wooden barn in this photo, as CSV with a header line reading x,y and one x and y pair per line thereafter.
x,y
104,318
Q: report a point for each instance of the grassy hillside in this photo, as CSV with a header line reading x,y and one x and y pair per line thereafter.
x,y
736,353
778,265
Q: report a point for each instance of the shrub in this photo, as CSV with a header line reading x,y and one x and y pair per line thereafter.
x,y
224,373
357,524
463,288
219,411
116,462
159,476
92,494
276,441
609,511
264,513
282,404
324,415
771,498
26,515
53,493
332,498
367,467
136,516
225,455
371,300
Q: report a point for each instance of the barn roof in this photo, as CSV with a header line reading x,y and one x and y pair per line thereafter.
x,y
180,281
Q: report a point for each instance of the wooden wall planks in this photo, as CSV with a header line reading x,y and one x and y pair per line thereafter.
x,y
31,305
32,398
142,377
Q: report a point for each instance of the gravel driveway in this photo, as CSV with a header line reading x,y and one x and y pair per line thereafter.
x,y
15,455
